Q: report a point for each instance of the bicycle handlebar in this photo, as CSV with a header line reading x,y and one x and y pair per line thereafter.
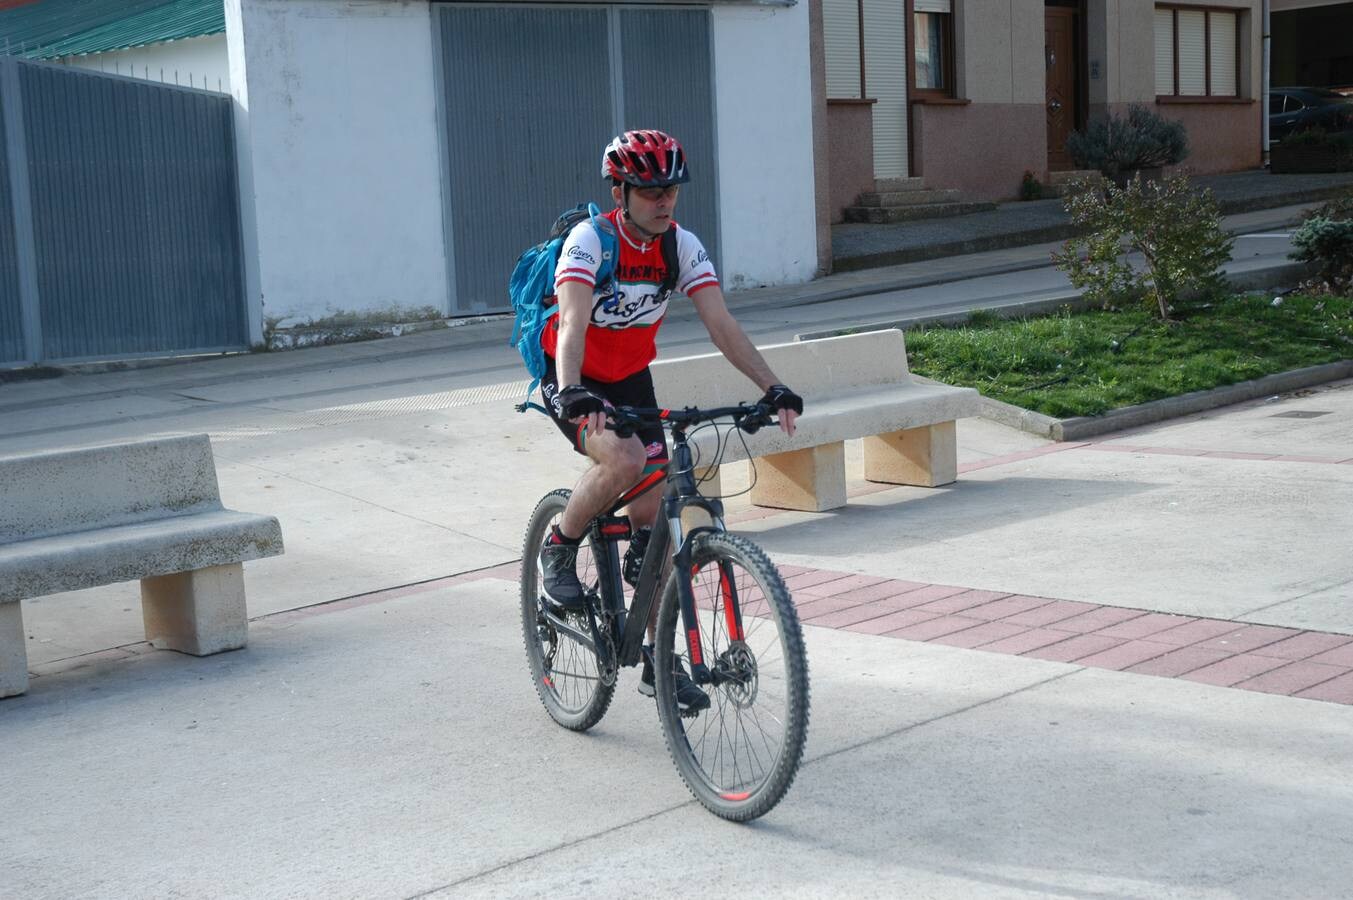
x,y
750,417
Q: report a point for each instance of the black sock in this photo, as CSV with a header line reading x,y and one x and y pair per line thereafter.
x,y
559,538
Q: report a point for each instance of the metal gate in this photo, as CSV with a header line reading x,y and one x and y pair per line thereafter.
x,y
119,218
531,94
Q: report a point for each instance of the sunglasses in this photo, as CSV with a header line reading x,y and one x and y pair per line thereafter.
x,y
657,193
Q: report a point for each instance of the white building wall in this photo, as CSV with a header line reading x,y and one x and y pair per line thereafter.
x,y
764,123
199,62
343,159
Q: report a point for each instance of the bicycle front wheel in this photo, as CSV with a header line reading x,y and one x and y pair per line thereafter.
x,y
740,755
566,673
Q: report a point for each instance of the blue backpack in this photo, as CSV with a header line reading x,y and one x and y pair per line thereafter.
x,y
533,281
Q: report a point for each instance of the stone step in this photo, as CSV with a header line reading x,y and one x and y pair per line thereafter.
x,y
1058,182
1067,175
876,215
908,198
892,185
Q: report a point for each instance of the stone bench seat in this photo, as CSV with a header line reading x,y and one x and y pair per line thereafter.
x,y
147,511
72,562
854,387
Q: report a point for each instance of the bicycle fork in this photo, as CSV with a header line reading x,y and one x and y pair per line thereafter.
x,y
668,533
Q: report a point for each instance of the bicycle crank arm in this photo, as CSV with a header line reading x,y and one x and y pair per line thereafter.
x,y
582,637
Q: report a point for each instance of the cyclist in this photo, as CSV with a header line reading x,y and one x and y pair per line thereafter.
x,y
598,349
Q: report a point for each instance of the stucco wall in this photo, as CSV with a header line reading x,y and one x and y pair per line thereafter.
x,y
999,52
199,62
764,122
343,158
850,159
982,149
1222,137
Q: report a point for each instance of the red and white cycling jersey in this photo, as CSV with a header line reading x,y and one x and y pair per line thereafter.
x,y
621,337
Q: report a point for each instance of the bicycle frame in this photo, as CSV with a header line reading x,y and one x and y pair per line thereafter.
x,y
670,543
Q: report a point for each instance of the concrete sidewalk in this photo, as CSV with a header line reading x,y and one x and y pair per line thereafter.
x,y
380,736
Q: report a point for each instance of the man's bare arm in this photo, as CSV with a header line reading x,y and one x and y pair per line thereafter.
x,y
734,344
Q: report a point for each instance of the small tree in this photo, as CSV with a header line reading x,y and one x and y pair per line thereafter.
x,y
1116,144
1175,229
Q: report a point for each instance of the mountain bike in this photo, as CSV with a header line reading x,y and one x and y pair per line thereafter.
x,y
723,614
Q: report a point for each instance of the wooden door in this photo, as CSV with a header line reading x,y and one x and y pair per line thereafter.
x,y
1059,33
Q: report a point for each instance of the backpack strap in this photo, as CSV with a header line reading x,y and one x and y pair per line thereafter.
x,y
668,243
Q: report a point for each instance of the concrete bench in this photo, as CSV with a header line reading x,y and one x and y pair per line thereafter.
x,y
147,510
855,386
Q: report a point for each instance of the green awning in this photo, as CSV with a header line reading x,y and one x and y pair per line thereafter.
x,y
46,29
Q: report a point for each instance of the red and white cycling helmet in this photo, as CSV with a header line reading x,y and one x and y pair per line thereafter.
x,y
645,158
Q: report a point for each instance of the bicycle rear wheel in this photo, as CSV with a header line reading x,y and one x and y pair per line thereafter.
x,y
565,672
739,756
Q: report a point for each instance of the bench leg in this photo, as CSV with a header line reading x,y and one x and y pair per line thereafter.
x,y
13,651
925,456
710,482
200,612
813,479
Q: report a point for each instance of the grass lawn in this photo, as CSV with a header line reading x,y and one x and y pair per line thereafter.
x,y
1086,363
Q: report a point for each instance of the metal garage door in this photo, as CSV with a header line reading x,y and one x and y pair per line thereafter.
x,y
531,95
128,232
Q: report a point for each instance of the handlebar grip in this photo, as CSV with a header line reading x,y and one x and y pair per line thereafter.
x,y
753,423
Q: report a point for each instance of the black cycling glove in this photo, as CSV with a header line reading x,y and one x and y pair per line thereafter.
x,y
781,397
576,401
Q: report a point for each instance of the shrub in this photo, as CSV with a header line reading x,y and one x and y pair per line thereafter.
x,y
1340,207
1029,187
1140,140
1176,229
1328,242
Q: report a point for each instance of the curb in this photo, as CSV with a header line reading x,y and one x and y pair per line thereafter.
x,y
1004,241
1197,401
1082,427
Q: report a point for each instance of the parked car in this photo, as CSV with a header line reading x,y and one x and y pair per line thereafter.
x,y
1292,109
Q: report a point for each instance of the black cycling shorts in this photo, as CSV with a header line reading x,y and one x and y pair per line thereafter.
x,y
635,390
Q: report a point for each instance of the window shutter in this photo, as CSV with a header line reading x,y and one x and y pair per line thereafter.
x,y
1192,53
885,60
934,6
1164,52
1223,62
841,45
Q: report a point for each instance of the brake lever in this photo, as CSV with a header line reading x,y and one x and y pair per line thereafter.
x,y
754,422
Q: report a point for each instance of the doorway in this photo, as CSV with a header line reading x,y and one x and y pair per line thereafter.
x,y
1062,58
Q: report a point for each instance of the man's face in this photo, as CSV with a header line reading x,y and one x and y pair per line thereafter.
x,y
650,207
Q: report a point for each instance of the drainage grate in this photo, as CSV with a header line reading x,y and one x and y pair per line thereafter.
x,y
1301,414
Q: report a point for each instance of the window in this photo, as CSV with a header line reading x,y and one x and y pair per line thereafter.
x,y
933,46
1196,52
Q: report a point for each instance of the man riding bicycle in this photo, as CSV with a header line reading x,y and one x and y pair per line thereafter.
x,y
598,349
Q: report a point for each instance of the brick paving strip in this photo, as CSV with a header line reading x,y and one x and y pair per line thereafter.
x,y
1309,664
1312,665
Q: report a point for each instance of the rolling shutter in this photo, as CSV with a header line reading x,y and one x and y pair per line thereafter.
x,y
1223,46
841,44
1192,53
885,59
1164,51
